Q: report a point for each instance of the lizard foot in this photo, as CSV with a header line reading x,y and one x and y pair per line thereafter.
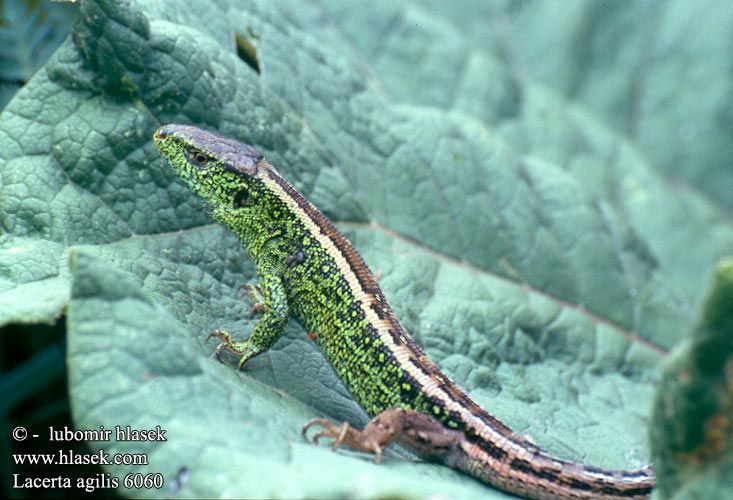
x,y
244,350
417,431
344,435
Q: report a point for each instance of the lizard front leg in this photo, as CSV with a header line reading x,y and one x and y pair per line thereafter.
x,y
420,433
268,329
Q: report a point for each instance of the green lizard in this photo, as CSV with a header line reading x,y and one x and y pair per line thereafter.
x,y
309,270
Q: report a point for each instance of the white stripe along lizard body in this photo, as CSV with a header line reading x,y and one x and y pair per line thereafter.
x,y
309,270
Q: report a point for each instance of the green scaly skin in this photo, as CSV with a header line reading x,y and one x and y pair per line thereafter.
x,y
309,270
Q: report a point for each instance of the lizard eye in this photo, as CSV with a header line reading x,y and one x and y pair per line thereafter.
x,y
200,159
197,158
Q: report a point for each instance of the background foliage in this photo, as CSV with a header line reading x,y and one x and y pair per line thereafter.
x,y
543,191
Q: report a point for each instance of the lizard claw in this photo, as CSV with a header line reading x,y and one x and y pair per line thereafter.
x,y
219,334
344,435
331,430
255,293
227,344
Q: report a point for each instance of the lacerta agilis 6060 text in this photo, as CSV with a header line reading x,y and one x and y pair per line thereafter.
x,y
309,270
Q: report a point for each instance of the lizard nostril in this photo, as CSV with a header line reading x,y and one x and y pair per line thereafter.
x,y
160,134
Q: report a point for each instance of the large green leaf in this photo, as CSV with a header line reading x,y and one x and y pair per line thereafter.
x,y
539,254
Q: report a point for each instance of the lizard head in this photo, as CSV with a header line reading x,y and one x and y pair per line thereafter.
x,y
221,171
215,167
239,189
